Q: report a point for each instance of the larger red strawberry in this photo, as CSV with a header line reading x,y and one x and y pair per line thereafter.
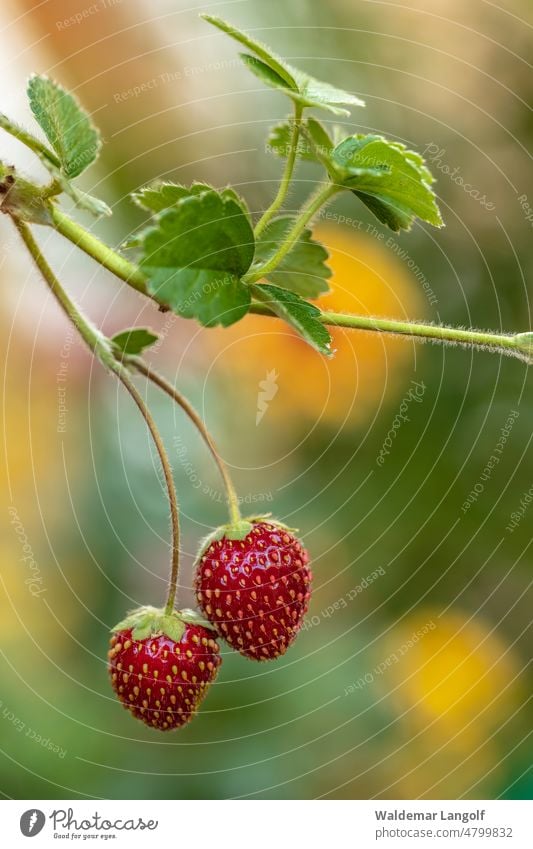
x,y
253,584
161,665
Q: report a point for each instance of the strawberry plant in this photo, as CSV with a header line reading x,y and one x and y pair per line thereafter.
x,y
202,256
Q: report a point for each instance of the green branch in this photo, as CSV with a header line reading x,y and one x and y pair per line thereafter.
x,y
98,250
518,345
283,190
96,341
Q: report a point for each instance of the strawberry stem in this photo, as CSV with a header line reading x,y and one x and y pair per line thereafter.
x,y
169,481
98,250
186,406
101,347
320,198
278,201
498,342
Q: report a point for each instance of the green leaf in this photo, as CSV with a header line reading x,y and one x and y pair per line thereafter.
x,y
264,72
157,197
160,196
320,138
196,254
134,340
65,124
313,92
299,314
280,143
314,143
392,181
261,50
303,270
275,72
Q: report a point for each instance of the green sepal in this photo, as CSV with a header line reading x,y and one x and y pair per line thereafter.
x,y
82,200
240,530
234,531
267,517
192,617
147,622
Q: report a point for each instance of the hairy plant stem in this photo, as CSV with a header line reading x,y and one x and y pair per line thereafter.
x,y
98,250
169,482
132,275
284,186
319,199
418,331
172,392
100,346
96,341
29,140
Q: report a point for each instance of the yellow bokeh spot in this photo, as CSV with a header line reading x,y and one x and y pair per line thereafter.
x,y
453,673
36,601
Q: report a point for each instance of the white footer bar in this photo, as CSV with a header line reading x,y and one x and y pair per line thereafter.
x,y
267,824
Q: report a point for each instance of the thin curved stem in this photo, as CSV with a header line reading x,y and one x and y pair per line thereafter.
x,y
319,199
99,345
186,406
29,140
169,481
96,341
283,189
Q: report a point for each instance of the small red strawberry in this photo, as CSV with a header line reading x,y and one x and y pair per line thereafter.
x,y
254,585
161,665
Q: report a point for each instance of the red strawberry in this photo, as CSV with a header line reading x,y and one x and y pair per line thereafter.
x,y
161,665
254,585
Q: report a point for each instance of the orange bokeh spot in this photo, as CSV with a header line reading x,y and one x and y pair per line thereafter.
x,y
369,279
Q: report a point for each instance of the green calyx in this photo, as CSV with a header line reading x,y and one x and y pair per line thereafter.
x,y
267,517
147,622
240,530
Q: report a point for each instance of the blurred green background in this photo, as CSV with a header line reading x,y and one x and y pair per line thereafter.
x,y
411,678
